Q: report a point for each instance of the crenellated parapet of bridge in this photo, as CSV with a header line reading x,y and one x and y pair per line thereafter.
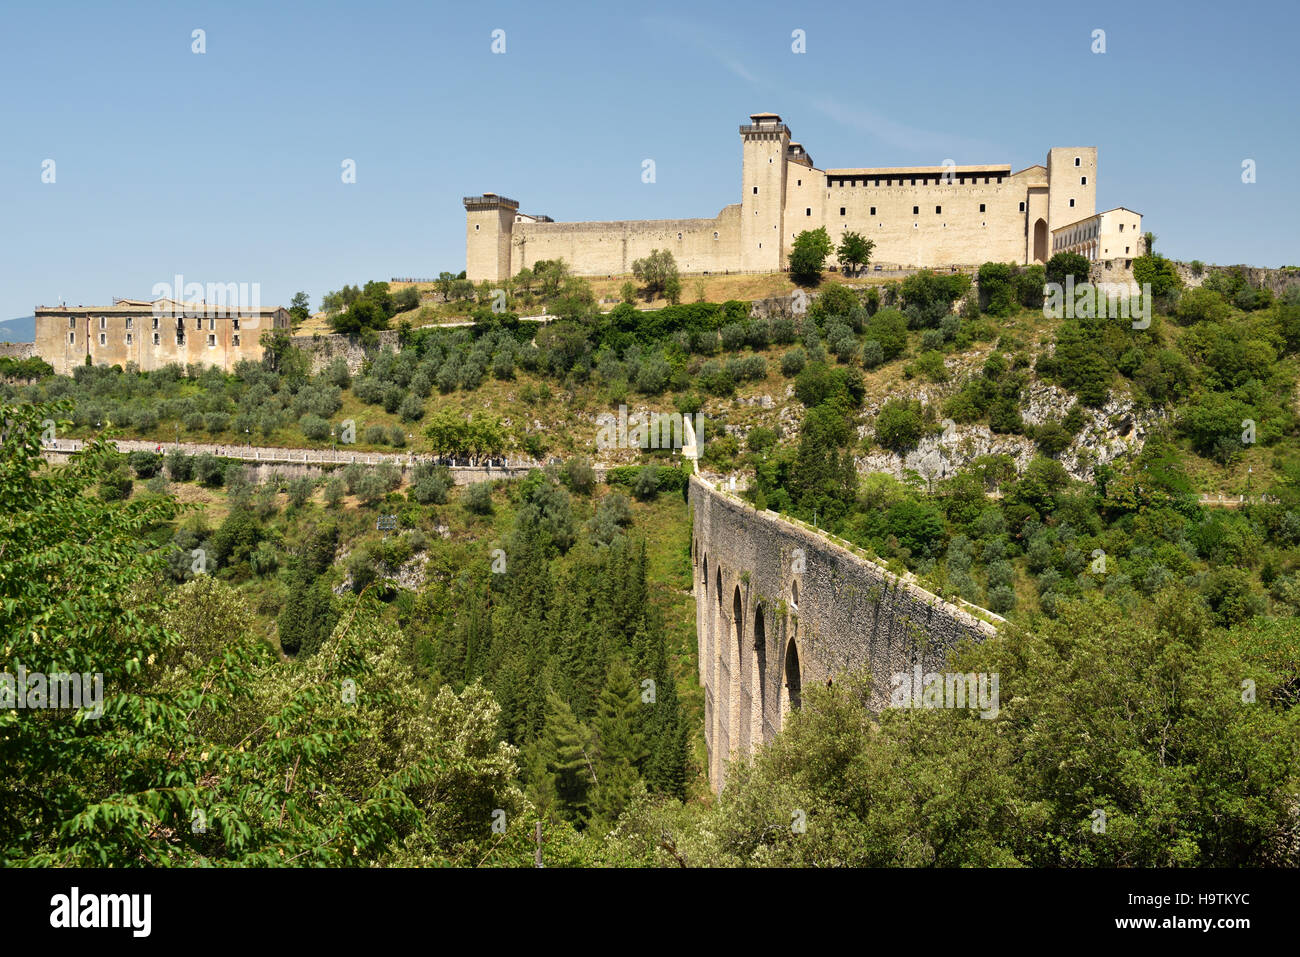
x,y
781,605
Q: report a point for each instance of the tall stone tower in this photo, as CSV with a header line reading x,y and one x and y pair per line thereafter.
x,y
762,203
489,221
1071,185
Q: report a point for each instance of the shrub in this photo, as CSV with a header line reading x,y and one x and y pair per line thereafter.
x,y
145,464
716,379
760,438
1201,305
792,362
1067,264
998,289
430,484
733,336
314,427
1001,600
411,409
209,469
478,498
872,353
579,476
371,488
899,425
335,489
646,486
783,331
396,437
180,466
889,328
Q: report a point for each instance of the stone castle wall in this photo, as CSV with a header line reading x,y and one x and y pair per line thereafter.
x,y
324,349
610,248
780,607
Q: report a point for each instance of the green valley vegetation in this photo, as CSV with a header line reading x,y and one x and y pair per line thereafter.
x,y
358,668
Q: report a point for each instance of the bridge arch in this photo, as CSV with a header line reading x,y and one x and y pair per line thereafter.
x,y
738,718
757,674
791,680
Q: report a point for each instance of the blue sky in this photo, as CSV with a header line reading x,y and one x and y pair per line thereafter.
x,y
225,166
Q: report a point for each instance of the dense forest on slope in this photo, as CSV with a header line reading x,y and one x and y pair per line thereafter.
x,y
364,672
215,749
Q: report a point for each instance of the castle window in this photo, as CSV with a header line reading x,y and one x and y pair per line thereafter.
x,y
72,338
916,210
808,211
798,182
841,210
103,323
981,207
938,210
235,323
679,235
157,340
103,339
914,225
913,180
155,322
234,340
476,227
1077,161
198,322
72,322
128,322
1125,250
755,190
212,341
128,338
873,210
715,235
1022,207
1121,227
1083,181
212,323
1072,204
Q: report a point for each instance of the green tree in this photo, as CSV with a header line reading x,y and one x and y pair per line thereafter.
x,y
619,746
299,308
854,252
655,271
808,256
1068,264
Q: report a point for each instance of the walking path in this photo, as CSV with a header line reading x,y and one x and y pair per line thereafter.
x,y
468,469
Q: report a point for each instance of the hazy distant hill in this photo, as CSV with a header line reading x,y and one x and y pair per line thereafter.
x,y
18,330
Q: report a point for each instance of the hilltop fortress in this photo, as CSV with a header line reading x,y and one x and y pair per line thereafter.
x,y
918,216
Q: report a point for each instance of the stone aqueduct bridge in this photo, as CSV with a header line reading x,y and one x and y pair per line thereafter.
x,y
780,606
